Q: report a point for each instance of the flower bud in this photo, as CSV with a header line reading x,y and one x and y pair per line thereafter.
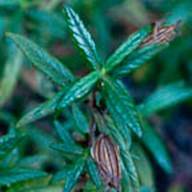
x,y
106,155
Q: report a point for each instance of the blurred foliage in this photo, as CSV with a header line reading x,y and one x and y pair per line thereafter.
x,y
133,86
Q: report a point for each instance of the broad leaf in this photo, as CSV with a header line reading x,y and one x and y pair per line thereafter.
x,y
42,60
42,110
165,97
80,119
94,173
137,59
82,37
15,175
156,146
80,89
126,48
10,76
74,175
121,106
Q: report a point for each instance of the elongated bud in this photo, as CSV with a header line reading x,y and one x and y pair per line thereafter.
x,y
106,155
161,34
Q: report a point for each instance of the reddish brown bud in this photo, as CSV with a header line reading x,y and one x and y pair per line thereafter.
x,y
106,155
161,34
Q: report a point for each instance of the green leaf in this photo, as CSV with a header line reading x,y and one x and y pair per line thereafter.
x,y
74,175
157,148
48,22
15,175
62,99
10,76
79,89
126,48
9,3
63,133
35,184
120,133
42,60
137,59
129,167
67,149
9,142
42,110
82,37
165,97
143,165
61,175
32,161
94,173
121,106
80,119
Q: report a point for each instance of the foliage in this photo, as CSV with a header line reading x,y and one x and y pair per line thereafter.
x,y
77,90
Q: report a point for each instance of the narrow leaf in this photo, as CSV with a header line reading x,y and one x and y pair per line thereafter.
x,y
61,175
74,175
137,59
42,60
121,105
156,146
165,97
9,142
48,22
94,173
143,165
17,175
129,165
82,37
80,89
41,111
67,149
80,119
126,48
10,76
63,133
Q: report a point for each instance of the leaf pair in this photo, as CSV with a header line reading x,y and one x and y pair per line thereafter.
x,y
62,76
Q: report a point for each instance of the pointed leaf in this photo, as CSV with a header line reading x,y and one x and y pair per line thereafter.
x,y
48,22
80,119
121,105
74,175
144,167
156,146
126,48
42,60
17,175
94,173
79,89
67,149
63,133
82,37
61,175
42,110
10,76
9,142
165,97
137,59
129,167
